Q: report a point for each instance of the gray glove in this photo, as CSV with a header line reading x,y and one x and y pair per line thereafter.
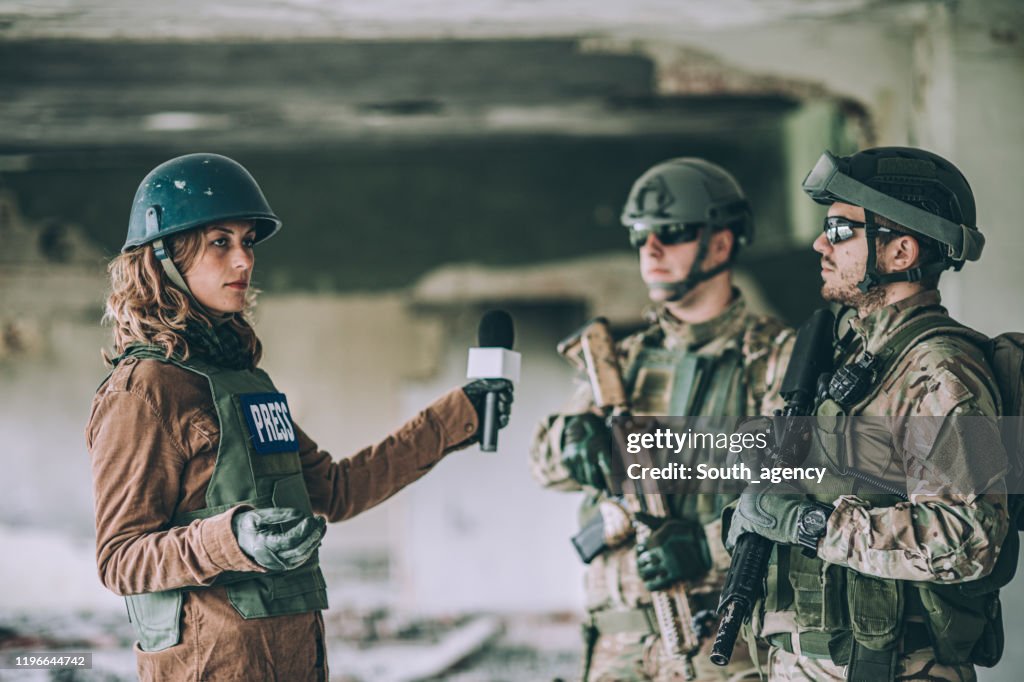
x,y
278,538
774,512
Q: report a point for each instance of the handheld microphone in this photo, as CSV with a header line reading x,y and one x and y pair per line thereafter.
x,y
493,358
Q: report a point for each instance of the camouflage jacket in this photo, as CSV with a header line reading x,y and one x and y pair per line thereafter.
x,y
764,343
942,536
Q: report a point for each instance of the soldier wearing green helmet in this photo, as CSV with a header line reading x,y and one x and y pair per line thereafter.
x,y
211,502
899,577
688,218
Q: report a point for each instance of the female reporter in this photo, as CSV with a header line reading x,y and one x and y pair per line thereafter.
x,y
210,500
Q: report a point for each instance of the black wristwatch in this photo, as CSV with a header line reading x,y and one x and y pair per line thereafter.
x,y
812,524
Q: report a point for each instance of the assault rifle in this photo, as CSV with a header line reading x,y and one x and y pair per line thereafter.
x,y
744,583
592,349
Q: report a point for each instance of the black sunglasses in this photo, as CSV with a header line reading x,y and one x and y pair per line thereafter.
x,y
839,229
668,234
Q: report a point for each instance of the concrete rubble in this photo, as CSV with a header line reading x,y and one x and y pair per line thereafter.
x,y
371,645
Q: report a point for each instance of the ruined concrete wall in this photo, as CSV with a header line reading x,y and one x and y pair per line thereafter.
x,y
946,76
988,141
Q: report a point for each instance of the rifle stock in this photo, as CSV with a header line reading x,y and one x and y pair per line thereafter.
x,y
592,348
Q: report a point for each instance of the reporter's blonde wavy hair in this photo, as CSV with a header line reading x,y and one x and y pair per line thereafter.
x,y
145,307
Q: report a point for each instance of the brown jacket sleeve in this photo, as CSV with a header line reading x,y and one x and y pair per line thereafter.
x,y
341,489
139,452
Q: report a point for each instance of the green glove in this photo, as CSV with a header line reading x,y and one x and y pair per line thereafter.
x,y
586,450
676,550
278,538
771,511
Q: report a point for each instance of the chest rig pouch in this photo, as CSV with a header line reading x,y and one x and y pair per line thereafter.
x,y
849,617
258,465
680,383
677,382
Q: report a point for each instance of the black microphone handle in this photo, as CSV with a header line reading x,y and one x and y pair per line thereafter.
x,y
489,434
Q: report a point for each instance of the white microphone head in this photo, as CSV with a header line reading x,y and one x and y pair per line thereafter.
x,y
493,363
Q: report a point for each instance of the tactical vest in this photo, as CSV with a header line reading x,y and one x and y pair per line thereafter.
x,y
680,382
257,465
856,619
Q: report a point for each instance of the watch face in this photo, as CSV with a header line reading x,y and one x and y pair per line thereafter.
x,y
814,521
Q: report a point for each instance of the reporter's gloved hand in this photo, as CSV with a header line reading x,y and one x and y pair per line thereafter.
x,y
676,550
477,392
587,449
771,511
278,538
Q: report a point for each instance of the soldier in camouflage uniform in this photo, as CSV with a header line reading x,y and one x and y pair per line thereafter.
x,y
687,217
888,588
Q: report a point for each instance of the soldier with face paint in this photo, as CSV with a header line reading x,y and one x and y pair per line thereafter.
x,y
891,586
210,500
687,218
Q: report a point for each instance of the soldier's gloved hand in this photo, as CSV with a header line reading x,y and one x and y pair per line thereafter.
x,y
477,392
278,538
675,550
587,450
771,511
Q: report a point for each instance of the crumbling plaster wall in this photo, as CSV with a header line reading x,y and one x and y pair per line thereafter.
x,y
948,76
942,76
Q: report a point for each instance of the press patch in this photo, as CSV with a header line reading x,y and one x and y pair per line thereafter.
x,y
270,422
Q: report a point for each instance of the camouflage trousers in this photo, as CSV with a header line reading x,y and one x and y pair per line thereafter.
x,y
640,657
916,666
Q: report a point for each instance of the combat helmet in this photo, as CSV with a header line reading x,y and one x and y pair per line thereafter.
x,y
919,190
676,200
189,191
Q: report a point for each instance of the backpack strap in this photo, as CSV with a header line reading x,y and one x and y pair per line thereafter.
x,y
921,329
912,333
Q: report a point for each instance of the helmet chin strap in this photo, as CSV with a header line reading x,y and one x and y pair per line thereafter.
x,y
164,257
675,291
171,270
872,277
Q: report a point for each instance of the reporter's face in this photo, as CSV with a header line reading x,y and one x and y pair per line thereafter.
x,y
219,279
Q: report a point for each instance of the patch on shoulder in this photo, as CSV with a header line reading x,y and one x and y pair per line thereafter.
x,y
943,392
269,421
